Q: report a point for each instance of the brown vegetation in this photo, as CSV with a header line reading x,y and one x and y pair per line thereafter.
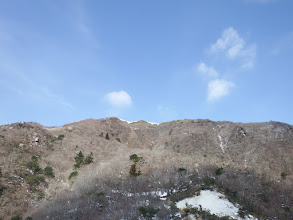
x,y
251,163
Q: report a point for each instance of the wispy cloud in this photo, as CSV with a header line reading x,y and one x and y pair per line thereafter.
x,y
22,85
76,14
218,88
82,23
119,99
25,57
48,94
206,70
229,42
235,51
234,47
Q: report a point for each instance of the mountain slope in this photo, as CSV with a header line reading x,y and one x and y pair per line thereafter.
x,y
264,150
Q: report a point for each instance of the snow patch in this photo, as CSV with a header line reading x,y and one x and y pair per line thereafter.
x,y
222,144
126,121
153,123
213,202
129,122
161,194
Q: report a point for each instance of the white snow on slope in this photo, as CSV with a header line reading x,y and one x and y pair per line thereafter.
x,y
214,202
129,122
153,123
222,145
161,194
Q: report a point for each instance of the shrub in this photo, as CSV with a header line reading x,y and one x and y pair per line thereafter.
x,y
181,169
287,209
41,195
34,158
96,196
283,175
133,172
241,213
99,199
135,158
232,194
48,171
28,218
34,180
89,158
60,137
16,217
2,189
34,165
148,212
209,180
218,171
73,174
79,160
249,207
174,208
76,166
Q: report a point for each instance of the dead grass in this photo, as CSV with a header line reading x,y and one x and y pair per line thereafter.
x,y
190,144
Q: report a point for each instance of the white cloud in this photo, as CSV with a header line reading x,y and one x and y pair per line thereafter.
x,y
234,47
207,70
230,42
232,54
218,88
119,99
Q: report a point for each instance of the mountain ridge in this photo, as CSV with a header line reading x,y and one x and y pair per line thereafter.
x,y
264,149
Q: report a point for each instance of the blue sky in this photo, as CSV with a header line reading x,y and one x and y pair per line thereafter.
x,y
67,60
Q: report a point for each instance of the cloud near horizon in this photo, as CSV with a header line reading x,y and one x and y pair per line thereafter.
x,y
119,99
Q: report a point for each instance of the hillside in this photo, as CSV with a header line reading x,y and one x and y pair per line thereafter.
x,y
251,163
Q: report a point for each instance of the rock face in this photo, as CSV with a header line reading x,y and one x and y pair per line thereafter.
x,y
264,148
